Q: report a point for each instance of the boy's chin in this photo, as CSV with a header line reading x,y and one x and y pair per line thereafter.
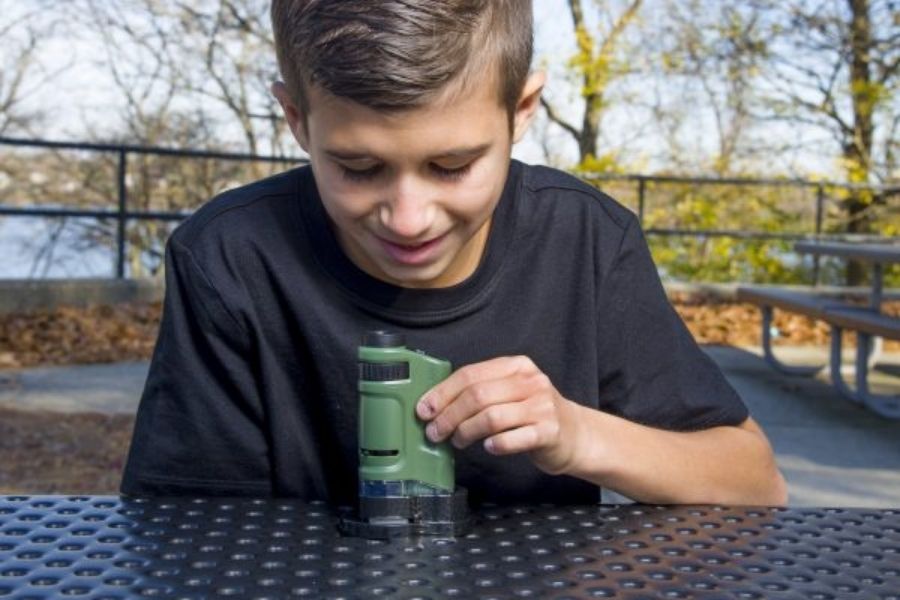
x,y
415,277
413,281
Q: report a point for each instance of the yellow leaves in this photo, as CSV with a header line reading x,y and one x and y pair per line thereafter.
x,y
585,42
857,172
604,164
869,94
890,229
597,66
726,208
596,71
672,61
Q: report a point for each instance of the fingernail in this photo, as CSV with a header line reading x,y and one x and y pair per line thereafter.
x,y
489,445
431,432
424,408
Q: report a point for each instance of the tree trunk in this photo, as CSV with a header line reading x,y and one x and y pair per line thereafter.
x,y
858,150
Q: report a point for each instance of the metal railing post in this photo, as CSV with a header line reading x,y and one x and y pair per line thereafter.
x,y
121,216
642,186
820,208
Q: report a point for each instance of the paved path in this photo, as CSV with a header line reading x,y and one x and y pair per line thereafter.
x,y
113,388
832,452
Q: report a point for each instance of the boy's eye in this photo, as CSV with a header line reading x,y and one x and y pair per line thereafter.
x,y
360,174
451,174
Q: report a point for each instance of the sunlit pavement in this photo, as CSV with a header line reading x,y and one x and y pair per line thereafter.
x,y
111,388
832,452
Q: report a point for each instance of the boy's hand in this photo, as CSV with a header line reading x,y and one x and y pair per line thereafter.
x,y
509,403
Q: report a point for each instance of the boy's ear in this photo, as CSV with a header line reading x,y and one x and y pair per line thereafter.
x,y
295,117
528,104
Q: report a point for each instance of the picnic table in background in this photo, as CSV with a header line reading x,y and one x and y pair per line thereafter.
x,y
868,323
878,255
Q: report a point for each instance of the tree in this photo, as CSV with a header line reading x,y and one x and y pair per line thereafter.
x,y
597,63
181,70
234,40
22,35
710,53
212,57
834,67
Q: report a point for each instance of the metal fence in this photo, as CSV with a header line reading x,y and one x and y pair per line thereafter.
x,y
122,214
641,184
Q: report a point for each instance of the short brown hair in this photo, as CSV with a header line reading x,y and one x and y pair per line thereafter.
x,y
400,54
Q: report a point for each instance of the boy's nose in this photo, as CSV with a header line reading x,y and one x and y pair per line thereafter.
x,y
408,214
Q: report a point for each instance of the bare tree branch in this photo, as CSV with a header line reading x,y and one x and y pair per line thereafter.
x,y
556,118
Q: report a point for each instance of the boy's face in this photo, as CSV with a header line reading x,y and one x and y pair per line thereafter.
x,y
411,193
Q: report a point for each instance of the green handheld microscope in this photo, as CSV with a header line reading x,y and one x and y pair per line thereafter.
x,y
406,483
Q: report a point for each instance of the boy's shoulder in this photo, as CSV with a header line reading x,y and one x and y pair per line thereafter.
x,y
551,185
240,209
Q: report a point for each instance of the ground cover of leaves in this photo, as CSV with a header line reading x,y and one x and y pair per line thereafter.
x,y
53,453
71,335
43,452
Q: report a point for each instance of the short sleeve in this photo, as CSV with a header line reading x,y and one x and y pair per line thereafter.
x,y
199,424
651,369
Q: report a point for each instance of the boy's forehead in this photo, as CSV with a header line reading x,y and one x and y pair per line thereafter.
x,y
444,127
446,100
481,79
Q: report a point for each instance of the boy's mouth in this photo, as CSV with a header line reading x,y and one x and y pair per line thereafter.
x,y
415,254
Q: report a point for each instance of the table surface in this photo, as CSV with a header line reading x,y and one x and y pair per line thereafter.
x,y
110,547
877,253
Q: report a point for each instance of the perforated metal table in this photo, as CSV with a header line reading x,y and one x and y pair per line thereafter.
x,y
107,547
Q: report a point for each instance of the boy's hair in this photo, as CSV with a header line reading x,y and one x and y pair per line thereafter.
x,y
401,54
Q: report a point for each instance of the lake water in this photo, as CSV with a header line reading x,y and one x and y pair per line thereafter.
x,y
24,251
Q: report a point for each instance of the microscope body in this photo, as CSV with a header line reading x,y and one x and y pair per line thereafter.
x,y
406,483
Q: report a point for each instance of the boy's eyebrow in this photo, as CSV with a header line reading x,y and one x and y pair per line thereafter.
x,y
453,153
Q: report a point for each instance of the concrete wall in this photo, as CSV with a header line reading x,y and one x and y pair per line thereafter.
x,y
28,295
728,291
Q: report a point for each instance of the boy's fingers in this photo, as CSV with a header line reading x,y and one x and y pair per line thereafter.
x,y
492,420
475,399
514,441
437,398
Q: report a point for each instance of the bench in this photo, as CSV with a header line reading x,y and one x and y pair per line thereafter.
x,y
869,325
803,303
864,320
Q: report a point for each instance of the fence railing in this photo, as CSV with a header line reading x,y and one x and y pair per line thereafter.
x,y
122,214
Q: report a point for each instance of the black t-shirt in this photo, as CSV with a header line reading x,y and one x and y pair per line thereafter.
x,y
252,387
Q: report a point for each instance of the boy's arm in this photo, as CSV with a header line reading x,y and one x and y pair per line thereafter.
x,y
199,424
510,404
669,426
722,465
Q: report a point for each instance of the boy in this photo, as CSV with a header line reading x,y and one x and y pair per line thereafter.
x,y
573,371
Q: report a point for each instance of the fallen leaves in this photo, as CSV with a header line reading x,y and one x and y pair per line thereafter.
x,y
125,332
735,324
70,335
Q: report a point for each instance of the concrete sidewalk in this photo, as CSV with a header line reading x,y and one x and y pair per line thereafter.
x,y
113,388
833,453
